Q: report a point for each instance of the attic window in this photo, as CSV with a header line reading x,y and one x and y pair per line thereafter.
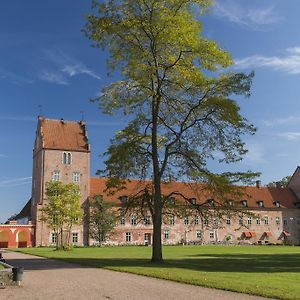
x,y
260,203
124,199
210,202
193,201
229,202
277,203
244,203
171,200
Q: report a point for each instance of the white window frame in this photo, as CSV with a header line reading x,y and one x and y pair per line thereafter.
x,y
128,237
67,158
266,220
166,234
277,221
75,237
197,220
172,220
147,220
249,221
56,175
186,220
228,221
258,221
53,238
76,176
133,220
211,234
199,234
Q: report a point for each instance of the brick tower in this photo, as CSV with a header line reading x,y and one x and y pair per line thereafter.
x,y
61,152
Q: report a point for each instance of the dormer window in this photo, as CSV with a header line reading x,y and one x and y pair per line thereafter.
x,y
66,158
210,202
244,203
171,200
124,199
229,203
193,201
260,203
277,204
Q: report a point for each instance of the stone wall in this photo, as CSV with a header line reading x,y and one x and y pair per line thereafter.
x,y
6,275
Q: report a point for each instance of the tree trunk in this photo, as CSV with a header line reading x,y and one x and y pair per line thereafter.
x,y
157,217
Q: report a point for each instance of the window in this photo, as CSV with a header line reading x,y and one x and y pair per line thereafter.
x,y
122,219
67,158
285,221
193,201
54,238
196,220
128,237
124,199
74,237
199,234
166,234
133,220
277,203
249,221
266,219
257,221
56,175
228,221
147,220
260,203
186,220
216,221
277,220
172,220
206,222
244,203
76,177
241,221
211,235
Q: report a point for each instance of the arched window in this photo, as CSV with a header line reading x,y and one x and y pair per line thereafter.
x,y
67,158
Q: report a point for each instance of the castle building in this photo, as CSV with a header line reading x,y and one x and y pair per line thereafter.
x,y
62,152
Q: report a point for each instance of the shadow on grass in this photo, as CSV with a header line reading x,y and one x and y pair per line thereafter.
x,y
248,263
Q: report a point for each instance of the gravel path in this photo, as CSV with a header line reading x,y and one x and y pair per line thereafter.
x,y
53,279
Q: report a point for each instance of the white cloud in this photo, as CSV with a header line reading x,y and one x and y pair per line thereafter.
x,y
288,63
291,136
289,120
14,78
15,182
64,67
53,77
254,18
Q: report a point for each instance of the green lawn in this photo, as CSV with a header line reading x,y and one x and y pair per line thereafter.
x,y
271,271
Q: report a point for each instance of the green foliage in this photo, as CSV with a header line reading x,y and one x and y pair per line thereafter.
x,y
102,219
282,182
175,87
62,210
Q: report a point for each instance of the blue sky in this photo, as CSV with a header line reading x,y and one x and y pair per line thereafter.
x,y
47,64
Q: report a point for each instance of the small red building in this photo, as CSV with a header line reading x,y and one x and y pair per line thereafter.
x,y
13,235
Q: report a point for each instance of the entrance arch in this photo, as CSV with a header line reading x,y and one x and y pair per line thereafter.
x,y
4,238
22,239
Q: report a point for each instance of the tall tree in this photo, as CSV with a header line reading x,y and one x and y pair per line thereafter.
x,y
102,219
62,210
282,182
177,93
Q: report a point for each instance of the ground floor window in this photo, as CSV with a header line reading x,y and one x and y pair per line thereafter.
x,y
75,237
54,238
211,235
167,233
128,237
199,234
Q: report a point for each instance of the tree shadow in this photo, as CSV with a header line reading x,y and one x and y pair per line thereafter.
x,y
245,263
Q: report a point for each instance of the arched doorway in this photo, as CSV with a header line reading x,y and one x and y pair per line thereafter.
x,y
4,237
22,239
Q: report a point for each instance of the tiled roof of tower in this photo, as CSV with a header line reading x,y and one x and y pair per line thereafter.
x,y
269,196
64,135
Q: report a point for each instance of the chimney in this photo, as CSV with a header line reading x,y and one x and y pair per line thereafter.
x,y
258,184
278,185
62,121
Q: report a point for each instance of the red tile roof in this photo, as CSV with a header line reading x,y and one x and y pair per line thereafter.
x,y
64,135
269,196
